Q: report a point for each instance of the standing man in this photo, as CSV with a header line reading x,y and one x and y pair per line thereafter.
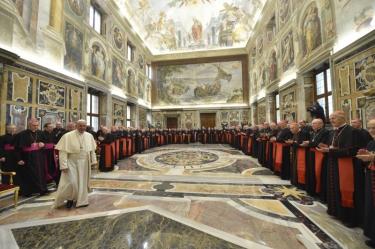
x,y
76,154
31,160
51,167
7,155
368,156
345,176
365,136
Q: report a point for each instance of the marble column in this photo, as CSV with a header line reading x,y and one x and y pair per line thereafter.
x,y
305,95
136,116
56,15
270,107
53,41
254,114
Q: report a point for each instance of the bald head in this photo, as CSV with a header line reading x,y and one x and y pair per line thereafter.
x,y
294,128
317,124
371,127
337,118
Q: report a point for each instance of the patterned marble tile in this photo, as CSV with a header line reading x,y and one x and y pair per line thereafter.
x,y
347,237
218,189
140,229
272,206
122,185
224,217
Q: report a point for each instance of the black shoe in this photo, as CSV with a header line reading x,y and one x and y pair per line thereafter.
x,y
370,243
69,204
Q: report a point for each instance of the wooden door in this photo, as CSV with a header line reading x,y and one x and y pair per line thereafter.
x,y
171,122
208,120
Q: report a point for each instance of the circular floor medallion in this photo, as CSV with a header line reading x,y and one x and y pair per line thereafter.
x,y
188,160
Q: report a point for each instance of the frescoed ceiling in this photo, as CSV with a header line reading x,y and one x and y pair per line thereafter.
x,y
169,26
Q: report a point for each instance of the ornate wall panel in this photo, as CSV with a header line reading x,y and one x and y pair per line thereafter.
x,y
288,104
31,95
118,112
356,81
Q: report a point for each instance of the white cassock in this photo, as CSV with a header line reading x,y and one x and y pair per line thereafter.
x,y
77,154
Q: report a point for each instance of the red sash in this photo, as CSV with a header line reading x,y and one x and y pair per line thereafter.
x,y
318,164
242,137
249,144
123,141
301,165
107,155
128,146
33,147
8,147
117,143
346,175
278,157
113,145
145,143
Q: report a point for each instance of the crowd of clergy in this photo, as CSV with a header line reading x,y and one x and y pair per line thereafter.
x,y
333,163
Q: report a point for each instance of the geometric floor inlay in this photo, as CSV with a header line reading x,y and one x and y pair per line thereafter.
x,y
139,229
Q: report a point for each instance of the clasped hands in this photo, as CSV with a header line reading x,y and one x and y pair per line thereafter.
x,y
365,155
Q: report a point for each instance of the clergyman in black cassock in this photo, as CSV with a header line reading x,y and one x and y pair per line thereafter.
x,y
368,157
31,160
7,154
345,176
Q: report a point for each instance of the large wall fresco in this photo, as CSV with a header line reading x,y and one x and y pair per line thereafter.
x,y
174,25
194,84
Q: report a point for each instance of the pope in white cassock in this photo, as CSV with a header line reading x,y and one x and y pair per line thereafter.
x,y
76,155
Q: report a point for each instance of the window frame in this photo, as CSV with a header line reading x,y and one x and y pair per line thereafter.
x,y
90,114
128,115
92,22
277,107
130,47
326,94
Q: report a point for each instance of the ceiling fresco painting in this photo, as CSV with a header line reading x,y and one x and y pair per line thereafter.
x,y
187,25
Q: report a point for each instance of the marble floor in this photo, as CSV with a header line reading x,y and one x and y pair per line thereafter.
x,y
179,196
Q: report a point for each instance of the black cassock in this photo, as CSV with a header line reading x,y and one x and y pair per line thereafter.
x,y
345,198
7,151
138,142
52,168
32,174
317,184
369,219
297,176
254,149
282,136
107,152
